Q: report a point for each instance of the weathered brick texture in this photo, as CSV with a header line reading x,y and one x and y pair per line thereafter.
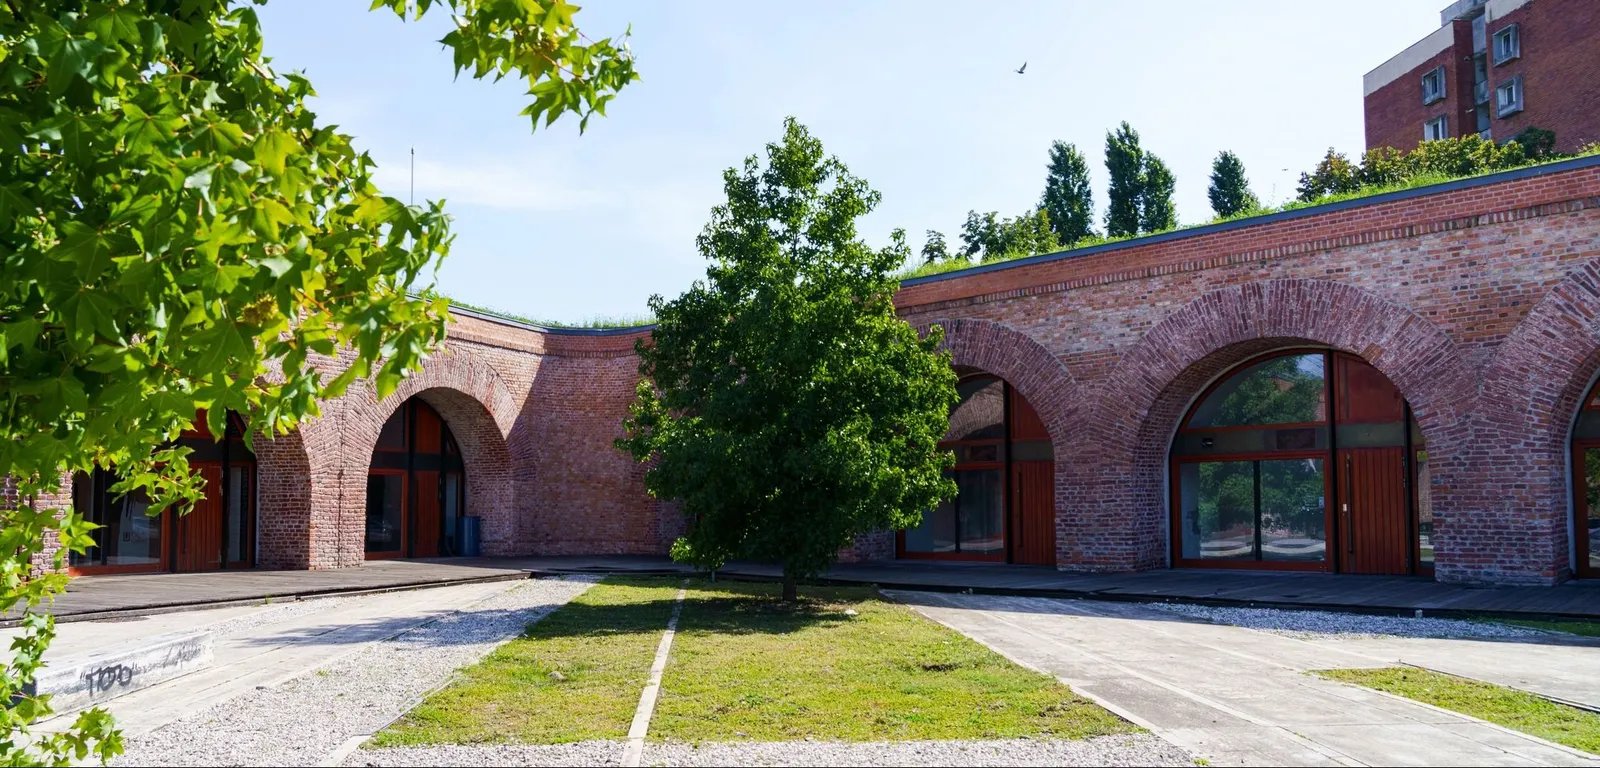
x,y
1480,301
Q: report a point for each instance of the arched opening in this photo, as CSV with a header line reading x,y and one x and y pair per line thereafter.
x,y
1301,459
1586,487
218,532
1005,470
416,486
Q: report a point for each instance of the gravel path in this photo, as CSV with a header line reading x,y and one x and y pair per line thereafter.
x,y
1320,624
276,613
304,720
1135,749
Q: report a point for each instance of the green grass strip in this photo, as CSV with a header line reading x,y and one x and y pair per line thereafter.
x,y
1517,710
574,676
745,666
1584,628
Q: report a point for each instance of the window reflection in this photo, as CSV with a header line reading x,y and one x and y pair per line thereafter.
x,y
1293,519
1287,389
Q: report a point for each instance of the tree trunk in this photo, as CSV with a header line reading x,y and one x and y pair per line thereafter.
x,y
791,588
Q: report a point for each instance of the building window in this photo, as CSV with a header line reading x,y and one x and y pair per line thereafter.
x,y
1433,86
1436,129
1299,460
1508,99
1507,44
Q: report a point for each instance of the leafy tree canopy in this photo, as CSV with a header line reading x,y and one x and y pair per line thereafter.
x,y
1157,211
1125,165
1068,199
992,238
784,404
179,232
1230,191
934,248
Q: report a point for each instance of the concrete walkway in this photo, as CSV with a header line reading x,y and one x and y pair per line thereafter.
x,y
1235,696
265,645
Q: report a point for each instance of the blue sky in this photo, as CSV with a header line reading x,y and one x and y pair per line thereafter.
x,y
917,97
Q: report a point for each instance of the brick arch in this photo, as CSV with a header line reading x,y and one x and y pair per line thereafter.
x,y
1151,387
478,407
1532,389
1039,376
1025,364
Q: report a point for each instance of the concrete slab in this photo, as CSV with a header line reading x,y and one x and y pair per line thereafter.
x,y
80,682
1231,695
298,644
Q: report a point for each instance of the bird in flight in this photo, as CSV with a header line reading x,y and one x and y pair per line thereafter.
x,y
1023,68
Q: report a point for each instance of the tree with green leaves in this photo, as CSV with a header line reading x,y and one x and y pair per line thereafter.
x,y
783,403
1125,165
1230,191
980,235
934,248
1157,211
180,233
1334,175
1068,198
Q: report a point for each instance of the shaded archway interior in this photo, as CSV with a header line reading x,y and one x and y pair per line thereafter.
x,y
218,532
416,486
1004,509
1301,459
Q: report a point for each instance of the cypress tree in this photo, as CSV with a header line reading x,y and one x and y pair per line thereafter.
x,y
1157,213
1230,191
1125,164
1068,199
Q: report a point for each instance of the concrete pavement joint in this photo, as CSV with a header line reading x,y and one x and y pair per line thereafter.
x,y
634,753
1320,749
1469,718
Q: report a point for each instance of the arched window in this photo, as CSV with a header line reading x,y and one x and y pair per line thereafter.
x,y
1301,460
1586,487
416,486
1004,509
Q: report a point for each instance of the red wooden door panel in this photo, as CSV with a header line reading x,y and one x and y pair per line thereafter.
x,y
1033,529
426,543
1372,511
200,531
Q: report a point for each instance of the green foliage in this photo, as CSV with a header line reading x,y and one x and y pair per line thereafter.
x,y
1068,199
1157,212
934,249
1125,164
991,238
784,404
1537,142
1388,167
179,233
593,321
1230,191
1334,175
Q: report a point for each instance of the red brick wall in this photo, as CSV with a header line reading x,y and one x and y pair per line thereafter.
x,y
1481,302
1395,113
1436,291
1560,69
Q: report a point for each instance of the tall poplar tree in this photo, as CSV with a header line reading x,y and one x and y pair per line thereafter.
x,y
1125,165
1157,212
1068,198
1230,191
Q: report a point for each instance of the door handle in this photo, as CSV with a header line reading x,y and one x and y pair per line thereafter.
x,y
1349,493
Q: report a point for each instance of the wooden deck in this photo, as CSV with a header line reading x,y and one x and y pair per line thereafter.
x,y
110,596
140,594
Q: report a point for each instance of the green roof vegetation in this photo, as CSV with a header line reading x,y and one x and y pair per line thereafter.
x,y
593,321
1336,180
